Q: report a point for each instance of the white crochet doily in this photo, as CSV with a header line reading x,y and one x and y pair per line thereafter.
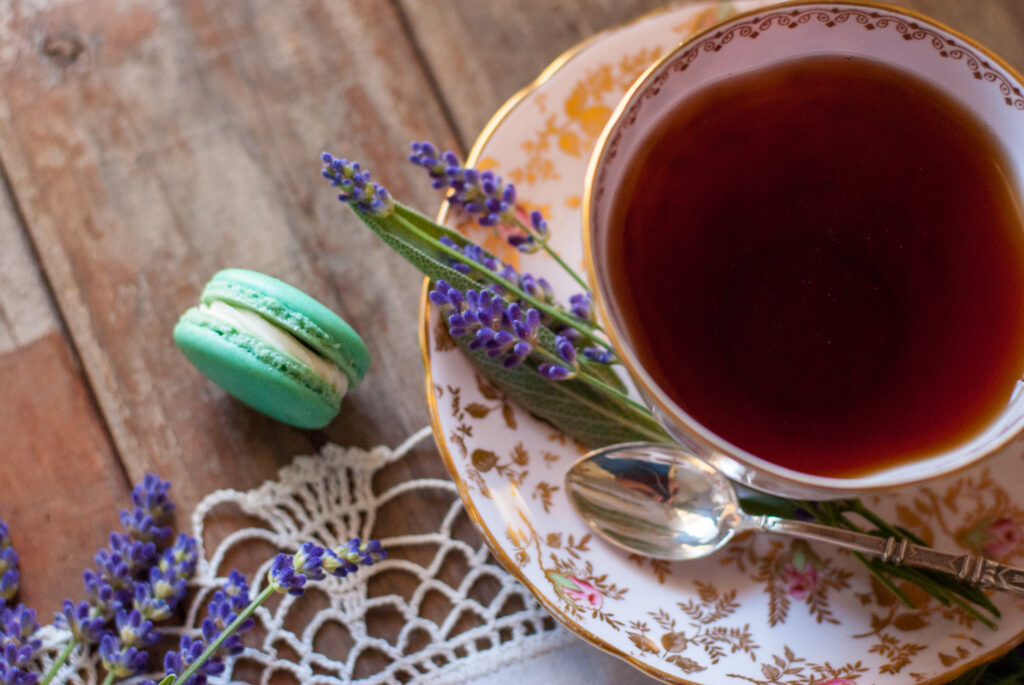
x,y
446,632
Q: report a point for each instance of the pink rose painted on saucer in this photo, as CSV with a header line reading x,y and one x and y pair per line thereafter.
x,y
800,582
577,591
1004,536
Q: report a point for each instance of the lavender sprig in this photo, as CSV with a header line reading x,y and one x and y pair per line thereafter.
x,y
134,585
486,196
500,328
124,654
230,611
507,333
18,624
419,229
538,289
357,189
444,254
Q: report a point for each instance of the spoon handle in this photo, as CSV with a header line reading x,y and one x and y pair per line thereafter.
x,y
968,567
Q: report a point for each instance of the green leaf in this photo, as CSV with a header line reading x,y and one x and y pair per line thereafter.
x,y
584,414
168,680
587,415
604,373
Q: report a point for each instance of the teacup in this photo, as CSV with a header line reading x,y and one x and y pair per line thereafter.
x,y
978,81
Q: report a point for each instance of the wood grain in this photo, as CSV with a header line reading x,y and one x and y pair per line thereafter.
x,y
53,442
482,52
148,144
166,141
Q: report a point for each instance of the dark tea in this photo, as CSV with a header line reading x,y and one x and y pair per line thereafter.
x,y
822,262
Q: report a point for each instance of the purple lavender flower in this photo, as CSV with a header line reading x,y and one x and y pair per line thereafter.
x,y
17,646
152,496
599,355
527,243
143,526
9,579
134,630
366,553
12,675
136,554
503,330
555,372
223,613
537,287
124,653
189,651
19,623
100,594
357,189
113,569
479,193
148,604
165,586
437,165
308,561
540,226
9,576
223,609
565,349
180,558
581,306
283,578
84,622
15,662
347,558
236,590
338,566
153,508
123,661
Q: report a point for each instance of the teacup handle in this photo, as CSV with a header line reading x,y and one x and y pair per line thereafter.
x,y
968,567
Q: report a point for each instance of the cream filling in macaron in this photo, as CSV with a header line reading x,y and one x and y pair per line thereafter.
x,y
254,324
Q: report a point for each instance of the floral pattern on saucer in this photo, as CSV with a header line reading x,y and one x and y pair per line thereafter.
x,y
764,610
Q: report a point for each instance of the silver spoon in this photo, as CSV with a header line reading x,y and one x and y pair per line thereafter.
x,y
660,501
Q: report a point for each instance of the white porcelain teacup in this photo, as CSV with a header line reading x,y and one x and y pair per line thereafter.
x,y
980,81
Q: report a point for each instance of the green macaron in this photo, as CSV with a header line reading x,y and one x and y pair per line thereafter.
x,y
273,347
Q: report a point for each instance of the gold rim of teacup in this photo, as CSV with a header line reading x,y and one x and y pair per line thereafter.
x,y
724,453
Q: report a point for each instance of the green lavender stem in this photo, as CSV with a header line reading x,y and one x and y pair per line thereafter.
x,y
940,586
215,645
554,255
61,659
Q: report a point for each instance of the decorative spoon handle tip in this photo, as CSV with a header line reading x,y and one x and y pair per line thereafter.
x,y
967,567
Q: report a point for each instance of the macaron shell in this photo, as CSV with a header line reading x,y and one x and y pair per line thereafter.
x,y
296,312
256,373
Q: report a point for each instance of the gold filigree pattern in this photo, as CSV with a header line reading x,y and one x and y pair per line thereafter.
x,y
734,617
789,669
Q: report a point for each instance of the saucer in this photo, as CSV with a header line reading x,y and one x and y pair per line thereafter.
x,y
766,609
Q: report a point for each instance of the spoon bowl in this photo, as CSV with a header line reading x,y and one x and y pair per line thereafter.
x,y
661,501
655,500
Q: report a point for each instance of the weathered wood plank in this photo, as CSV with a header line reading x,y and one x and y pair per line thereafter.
x,y
151,144
53,444
60,482
26,310
483,52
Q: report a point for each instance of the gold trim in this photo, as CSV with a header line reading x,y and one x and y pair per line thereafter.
x,y
424,336
651,392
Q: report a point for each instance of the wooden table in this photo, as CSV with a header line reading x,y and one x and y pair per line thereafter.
x,y
145,145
